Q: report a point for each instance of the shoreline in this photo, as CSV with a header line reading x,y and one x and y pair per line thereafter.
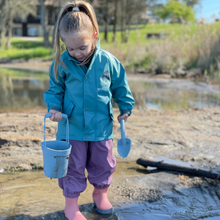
x,y
39,65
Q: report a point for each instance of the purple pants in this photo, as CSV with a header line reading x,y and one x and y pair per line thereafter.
x,y
97,158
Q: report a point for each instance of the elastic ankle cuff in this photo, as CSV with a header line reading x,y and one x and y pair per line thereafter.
x,y
71,195
101,187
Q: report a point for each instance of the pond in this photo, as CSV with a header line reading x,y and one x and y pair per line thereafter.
x,y
20,90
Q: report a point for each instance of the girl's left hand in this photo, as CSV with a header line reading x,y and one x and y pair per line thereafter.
x,y
124,116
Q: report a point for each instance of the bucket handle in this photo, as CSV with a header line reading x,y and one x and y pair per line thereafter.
x,y
64,116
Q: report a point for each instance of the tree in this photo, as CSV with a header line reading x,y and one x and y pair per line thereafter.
x,y
192,3
133,8
121,13
44,22
176,12
2,22
10,10
115,19
104,12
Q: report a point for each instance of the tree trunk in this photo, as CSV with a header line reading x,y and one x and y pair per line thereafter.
x,y
173,167
44,22
122,21
9,32
2,23
106,21
115,20
128,30
9,25
3,30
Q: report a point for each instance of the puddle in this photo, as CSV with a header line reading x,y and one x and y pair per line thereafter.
x,y
175,94
22,90
31,194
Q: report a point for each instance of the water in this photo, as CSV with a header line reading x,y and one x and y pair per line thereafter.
x,y
31,195
20,90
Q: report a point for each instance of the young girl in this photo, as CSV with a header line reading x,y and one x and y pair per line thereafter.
x,y
83,81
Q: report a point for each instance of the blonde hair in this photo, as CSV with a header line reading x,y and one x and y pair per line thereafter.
x,y
70,21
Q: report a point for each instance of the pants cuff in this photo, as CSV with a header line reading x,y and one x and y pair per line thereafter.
x,y
71,195
101,187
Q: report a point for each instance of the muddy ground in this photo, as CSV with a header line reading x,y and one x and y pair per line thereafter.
x,y
189,136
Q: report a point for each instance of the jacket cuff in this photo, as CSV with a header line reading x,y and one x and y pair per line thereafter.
x,y
125,111
54,108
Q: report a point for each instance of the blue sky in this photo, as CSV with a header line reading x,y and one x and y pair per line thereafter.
x,y
206,9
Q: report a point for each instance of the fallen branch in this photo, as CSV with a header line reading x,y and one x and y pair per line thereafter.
x,y
172,167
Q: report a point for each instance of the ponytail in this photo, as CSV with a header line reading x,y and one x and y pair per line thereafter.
x,y
73,21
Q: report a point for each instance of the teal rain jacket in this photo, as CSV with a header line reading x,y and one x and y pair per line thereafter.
x,y
85,95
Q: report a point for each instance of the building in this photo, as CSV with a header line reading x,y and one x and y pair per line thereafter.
x,y
31,25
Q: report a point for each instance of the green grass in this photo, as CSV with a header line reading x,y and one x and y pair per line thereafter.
x,y
31,49
133,53
26,50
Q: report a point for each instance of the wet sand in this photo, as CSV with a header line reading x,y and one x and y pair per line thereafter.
x,y
189,136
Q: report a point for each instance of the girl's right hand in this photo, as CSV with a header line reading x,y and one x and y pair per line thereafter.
x,y
56,116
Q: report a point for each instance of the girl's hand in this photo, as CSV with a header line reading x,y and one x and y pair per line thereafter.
x,y
124,116
56,116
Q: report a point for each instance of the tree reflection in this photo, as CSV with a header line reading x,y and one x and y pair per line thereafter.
x,y
18,94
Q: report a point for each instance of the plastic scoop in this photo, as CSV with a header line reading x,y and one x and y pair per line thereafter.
x,y
124,144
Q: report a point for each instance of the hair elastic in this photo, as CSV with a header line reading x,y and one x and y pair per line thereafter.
x,y
75,8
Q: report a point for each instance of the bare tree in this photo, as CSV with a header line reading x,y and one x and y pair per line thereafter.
x,y
59,3
130,9
44,22
10,21
122,20
106,19
2,22
10,10
115,19
104,12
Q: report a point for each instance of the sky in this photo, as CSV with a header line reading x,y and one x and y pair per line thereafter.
x,y
207,8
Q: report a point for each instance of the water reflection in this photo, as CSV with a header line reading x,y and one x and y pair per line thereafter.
x,y
18,93
32,196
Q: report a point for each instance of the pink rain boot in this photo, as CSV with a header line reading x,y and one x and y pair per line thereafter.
x,y
72,210
101,202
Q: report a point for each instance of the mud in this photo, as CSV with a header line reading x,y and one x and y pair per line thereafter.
x,y
187,136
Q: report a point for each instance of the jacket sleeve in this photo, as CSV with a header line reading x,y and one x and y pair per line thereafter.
x,y
53,97
121,92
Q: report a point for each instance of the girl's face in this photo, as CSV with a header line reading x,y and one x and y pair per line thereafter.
x,y
79,45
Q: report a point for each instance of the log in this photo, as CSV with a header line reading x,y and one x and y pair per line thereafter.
x,y
172,167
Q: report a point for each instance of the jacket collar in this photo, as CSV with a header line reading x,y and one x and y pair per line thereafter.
x,y
95,52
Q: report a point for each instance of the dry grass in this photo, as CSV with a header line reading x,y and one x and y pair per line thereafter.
x,y
197,47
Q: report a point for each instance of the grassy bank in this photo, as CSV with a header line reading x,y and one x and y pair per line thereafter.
x,y
188,50
184,47
21,49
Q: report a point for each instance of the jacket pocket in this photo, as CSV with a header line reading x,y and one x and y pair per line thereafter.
x,y
110,110
68,109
